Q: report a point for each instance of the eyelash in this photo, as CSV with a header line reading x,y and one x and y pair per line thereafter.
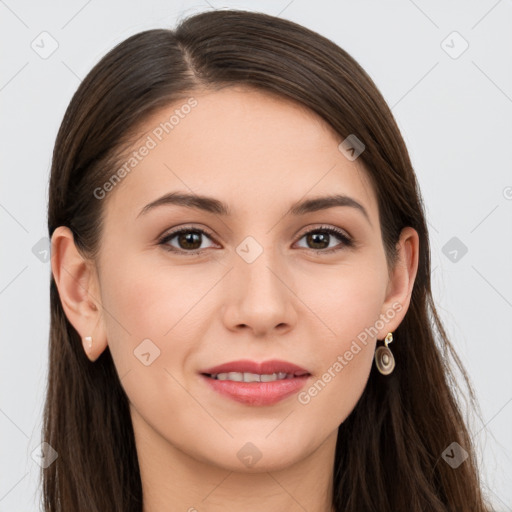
x,y
346,241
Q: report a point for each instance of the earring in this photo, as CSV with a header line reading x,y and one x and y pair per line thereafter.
x,y
88,340
384,360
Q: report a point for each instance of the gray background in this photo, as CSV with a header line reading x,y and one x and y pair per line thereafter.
x,y
454,108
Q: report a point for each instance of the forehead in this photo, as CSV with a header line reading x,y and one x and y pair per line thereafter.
x,y
244,146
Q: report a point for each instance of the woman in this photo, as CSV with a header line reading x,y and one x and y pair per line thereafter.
x,y
241,305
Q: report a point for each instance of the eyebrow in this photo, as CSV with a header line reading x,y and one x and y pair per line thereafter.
x,y
212,205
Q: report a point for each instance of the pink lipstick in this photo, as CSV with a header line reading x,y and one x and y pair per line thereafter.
x,y
254,383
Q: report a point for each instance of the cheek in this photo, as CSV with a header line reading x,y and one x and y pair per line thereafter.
x,y
151,300
349,304
342,364
144,300
152,325
346,299
333,394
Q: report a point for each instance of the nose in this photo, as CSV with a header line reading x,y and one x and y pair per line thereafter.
x,y
259,297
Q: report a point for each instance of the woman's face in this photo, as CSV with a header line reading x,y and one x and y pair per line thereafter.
x,y
265,282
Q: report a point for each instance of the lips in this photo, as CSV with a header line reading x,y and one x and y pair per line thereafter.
x,y
254,383
263,368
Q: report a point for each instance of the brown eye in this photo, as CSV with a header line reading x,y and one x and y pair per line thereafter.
x,y
188,240
319,239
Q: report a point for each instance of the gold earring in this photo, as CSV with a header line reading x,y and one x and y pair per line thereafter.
x,y
88,340
384,360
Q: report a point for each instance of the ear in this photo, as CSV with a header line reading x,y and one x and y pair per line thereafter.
x,y
78,287
401,281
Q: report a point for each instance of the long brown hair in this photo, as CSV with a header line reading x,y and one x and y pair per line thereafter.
x,y
389,450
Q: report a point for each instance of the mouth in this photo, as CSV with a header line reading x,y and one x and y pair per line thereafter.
x,y
255,383
254,377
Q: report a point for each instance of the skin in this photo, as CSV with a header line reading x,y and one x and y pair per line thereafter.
x,y
259,154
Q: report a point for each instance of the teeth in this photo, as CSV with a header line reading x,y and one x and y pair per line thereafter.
x,y
252,377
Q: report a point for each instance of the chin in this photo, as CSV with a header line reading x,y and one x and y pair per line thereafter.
x,y
257,454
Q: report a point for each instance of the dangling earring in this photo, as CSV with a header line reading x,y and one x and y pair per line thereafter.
x,y
384,360
88,340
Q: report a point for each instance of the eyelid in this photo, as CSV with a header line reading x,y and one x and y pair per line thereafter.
x,y
325,227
